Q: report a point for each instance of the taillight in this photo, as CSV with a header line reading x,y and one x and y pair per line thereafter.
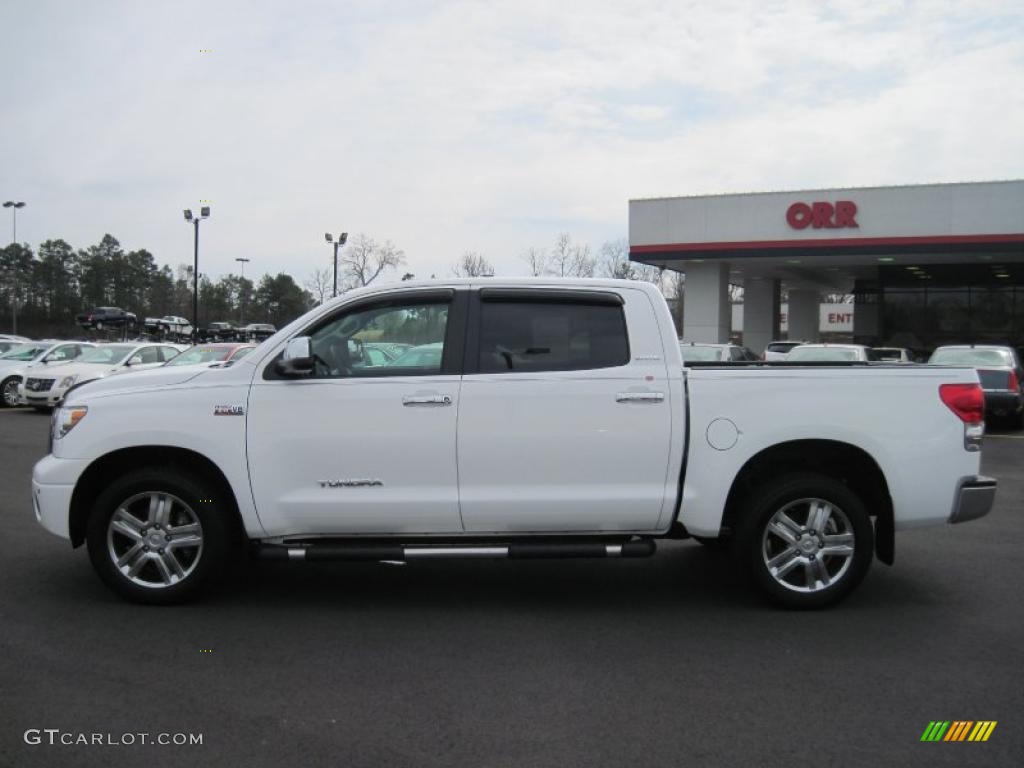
x,y
965,400
1013,383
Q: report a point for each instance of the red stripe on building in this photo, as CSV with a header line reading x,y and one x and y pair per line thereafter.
x,y
846,242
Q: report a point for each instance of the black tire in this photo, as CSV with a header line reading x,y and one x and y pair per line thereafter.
x,y
833,576
10,381
193,499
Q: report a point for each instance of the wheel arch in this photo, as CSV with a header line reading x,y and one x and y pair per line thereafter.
x,y
843,461
116,463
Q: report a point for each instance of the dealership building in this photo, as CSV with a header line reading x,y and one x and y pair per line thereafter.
x,y
927,264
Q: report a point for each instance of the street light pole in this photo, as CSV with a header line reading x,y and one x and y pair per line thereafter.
x,y
204,213
14,206
340,242
241,286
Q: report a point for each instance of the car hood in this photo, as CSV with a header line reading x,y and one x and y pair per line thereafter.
x,y
81,370
17,367
152,377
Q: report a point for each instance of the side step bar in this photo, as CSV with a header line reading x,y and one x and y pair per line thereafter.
x,y
518,551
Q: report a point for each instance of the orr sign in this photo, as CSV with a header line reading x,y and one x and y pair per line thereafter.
x,y
823,215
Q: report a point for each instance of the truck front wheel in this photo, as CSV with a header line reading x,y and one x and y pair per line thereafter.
x,y
159,536
806,540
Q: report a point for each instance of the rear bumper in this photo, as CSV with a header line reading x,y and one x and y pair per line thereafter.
x,y
998,403
974,499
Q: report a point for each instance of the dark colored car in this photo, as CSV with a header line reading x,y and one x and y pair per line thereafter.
x,y
105,317
1001,375
220,332
257,332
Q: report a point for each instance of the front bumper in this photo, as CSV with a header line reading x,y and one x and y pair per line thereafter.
x,y
53,482
49,399
974,499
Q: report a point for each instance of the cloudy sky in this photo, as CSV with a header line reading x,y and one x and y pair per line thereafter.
x,y
487,126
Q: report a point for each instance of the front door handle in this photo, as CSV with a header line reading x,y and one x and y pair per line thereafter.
x,y
413,400
639,397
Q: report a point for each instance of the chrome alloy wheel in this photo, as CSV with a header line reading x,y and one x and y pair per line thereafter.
x,y
808,545
10,393
155,540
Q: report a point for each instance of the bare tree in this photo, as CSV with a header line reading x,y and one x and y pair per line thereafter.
x,y
319,285
537,260
613,261
676,297
569,259
365,259
473,264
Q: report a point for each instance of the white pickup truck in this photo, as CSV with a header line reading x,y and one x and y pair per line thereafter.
x,y
506,418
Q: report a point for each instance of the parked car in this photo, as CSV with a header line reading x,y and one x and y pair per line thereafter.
x,y
257,332
16,362
562,424
220,332
14,338
1001,375
216,353
424,357
43,390
695,352
7,345
890,355
828,353
777,350
106,317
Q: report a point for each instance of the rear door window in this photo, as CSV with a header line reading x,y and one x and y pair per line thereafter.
x,y
525,335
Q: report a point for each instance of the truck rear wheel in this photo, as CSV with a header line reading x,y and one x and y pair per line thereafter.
x,y
806,540
159,536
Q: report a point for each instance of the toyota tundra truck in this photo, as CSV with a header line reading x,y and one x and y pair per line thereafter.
x,y
522,418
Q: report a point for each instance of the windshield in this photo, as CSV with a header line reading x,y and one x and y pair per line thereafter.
x,y
701,354
201,355
113,353
24,352
426,356
965,356
823,354
782,346
242,352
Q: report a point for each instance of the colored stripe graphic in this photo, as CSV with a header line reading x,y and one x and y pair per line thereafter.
x,y
958,730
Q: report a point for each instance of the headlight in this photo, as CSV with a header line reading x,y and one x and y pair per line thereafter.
x,y
67,381
66,420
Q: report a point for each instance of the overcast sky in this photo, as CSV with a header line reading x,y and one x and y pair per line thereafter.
x,y
488,126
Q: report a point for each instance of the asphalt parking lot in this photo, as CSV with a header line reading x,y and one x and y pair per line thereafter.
x,y
661,662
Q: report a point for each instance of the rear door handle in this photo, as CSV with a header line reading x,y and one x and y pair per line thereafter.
x,y
639,397
413,400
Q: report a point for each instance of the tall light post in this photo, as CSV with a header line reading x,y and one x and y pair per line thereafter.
x,y
342,239
14,266
204,213
241,287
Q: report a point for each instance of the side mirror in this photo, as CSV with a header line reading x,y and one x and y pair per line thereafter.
x,y
134,361
298,357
